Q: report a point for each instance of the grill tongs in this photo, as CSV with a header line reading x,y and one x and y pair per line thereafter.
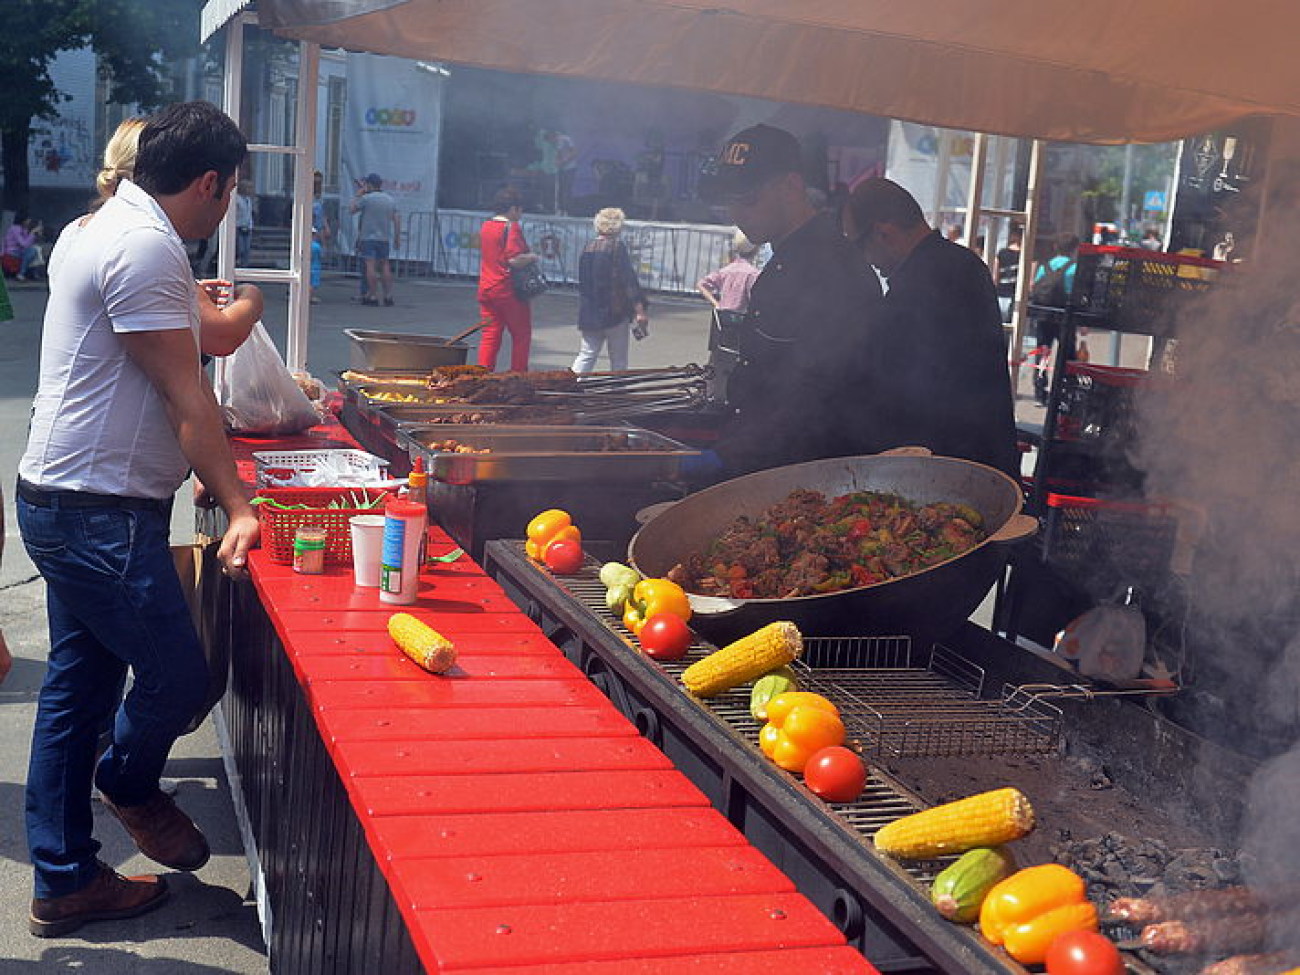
x,y
610,395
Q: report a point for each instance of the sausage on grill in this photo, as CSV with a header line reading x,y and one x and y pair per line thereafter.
x,y
1187,906
1233,932
1269,964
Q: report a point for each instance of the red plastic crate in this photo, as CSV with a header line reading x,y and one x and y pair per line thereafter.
x,y
1139,290
279,524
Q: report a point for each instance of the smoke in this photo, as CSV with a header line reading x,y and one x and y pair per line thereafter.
x,y
1220,433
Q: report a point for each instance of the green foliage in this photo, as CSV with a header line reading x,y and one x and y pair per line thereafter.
x,y
135,39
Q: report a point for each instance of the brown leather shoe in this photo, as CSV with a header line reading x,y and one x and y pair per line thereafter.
x,y
163,832
108,897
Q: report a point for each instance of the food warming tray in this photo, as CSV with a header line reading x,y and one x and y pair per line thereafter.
x,y
547,453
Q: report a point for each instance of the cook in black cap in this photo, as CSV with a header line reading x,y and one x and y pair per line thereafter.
x,y
795,390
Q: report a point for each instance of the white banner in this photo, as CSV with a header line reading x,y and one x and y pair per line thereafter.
x,y
391,128
915,155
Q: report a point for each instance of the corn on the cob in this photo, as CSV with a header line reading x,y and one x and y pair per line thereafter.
x,y
988,819
775,645
422,643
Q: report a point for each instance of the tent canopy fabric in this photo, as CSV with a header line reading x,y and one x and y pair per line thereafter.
x,y
1097,71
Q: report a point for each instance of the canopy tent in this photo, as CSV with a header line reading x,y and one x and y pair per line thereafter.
x,y
1098,71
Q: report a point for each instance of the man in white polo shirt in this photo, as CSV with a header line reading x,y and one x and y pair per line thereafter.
x,y
122,413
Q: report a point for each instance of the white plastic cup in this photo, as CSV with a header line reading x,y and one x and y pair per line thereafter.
x,y
367,545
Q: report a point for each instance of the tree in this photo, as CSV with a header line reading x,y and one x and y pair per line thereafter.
x,y
136,41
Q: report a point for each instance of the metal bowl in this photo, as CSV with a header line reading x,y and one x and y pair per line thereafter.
x,y
396,350
925,605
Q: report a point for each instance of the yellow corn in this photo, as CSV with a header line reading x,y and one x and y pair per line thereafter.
x,y
988,819
775,645
422,643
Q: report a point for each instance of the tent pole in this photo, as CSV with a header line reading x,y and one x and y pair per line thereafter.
x,y
1037,160
304,154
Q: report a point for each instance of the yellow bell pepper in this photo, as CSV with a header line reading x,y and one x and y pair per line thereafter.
x,y
1025,912
794,734
550,526
650,597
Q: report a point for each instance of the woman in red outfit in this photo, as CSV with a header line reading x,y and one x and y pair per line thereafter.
x,y
502,247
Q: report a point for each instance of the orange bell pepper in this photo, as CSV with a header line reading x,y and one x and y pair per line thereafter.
x,y
650,597
552,525
1025,912
797,729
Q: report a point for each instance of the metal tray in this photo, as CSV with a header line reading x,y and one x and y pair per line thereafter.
x,y
398,350
546,453
392,416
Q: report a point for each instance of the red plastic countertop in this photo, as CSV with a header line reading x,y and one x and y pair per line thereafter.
x,y
522,823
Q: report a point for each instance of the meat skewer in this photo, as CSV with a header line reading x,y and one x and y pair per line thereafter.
x,y
1187,906
1269,964
1231,932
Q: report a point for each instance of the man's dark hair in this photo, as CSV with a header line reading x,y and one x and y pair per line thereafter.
x,y
1066,244
877,200
506,198
184,141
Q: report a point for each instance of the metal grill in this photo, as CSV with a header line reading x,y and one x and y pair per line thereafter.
x,y
890,702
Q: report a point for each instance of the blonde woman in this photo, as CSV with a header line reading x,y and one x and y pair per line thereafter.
x,y
223,325
609,296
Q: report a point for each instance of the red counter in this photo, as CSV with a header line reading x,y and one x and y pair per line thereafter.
x,y
519,821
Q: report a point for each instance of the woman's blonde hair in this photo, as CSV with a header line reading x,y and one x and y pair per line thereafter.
x,y
608,221
119,157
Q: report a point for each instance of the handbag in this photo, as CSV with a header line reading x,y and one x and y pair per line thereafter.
x,y
528,281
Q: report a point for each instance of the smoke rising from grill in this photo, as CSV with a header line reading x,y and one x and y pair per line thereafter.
x,y
1221,437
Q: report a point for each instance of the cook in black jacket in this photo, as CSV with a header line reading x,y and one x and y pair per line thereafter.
x,y
936,356
796,392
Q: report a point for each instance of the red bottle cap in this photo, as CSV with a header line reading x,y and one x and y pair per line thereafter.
x,y
397,508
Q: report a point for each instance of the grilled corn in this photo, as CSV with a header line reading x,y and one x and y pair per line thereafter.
x,y
422,643
987,819
775,645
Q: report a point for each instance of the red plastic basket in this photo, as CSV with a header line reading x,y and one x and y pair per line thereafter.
x,y
1097,402
1106,542
1138,290
279,525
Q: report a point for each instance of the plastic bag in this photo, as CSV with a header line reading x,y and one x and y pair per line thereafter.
x,y
258,395
1107,642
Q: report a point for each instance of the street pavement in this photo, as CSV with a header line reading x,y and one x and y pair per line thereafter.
x,y
210,924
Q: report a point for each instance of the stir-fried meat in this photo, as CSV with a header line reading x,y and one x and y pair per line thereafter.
x,y
806,544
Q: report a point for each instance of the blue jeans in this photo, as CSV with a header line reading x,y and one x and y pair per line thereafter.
x,y
114,601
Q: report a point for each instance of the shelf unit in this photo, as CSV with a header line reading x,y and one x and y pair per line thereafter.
x,y
1089,498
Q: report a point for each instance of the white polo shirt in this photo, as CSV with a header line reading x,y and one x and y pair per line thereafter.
x,y
98,423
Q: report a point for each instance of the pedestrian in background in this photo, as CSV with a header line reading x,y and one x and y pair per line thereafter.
x,y
610,298
377,224
727,288
1006,269
123,411
20,253
244,223
501,247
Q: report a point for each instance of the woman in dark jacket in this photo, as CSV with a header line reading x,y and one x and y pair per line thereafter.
x,y
610,298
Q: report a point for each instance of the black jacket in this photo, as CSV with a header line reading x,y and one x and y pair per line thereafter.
x,y
796,393
938,363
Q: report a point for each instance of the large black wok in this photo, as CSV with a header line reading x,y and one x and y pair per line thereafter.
x,y
926,605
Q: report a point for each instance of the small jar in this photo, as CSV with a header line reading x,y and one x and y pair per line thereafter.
x,y
309,550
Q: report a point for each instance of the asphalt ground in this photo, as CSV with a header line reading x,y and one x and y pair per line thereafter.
x,y
210,924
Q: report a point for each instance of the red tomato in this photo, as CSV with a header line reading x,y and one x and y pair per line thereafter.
x,y
836,774
564,557
1084,953
665,637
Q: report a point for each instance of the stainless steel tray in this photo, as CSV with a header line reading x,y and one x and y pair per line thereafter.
x,y
547,453
391,416
400,350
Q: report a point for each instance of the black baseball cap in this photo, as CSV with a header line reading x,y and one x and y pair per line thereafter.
x,y
750,158
374,179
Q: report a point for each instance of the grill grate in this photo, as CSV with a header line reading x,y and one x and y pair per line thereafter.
x,y
891,703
